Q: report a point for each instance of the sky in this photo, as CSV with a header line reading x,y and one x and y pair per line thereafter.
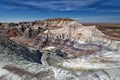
x,y
90,11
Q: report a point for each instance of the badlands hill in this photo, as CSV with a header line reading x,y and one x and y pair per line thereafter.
x,y
58,49
111,29
62,33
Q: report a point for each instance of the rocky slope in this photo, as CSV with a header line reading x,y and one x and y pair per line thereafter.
x,y
17,62
10,48
110,29
57,49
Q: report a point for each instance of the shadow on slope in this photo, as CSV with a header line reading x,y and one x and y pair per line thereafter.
x,y
13,50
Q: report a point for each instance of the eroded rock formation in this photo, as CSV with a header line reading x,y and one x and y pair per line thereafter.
x,y
57,49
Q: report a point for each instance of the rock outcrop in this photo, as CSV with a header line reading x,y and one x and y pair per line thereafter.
x,y
13,50
57,49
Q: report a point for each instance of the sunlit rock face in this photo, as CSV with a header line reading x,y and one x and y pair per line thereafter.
x,y
57,49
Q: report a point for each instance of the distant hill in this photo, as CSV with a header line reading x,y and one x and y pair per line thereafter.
x,y
59,19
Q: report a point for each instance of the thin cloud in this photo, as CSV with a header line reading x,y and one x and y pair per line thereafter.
x,y
13,7
10,5
78,5
108,10
60,5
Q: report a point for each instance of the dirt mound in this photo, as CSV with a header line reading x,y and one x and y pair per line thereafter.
x,y
13,33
